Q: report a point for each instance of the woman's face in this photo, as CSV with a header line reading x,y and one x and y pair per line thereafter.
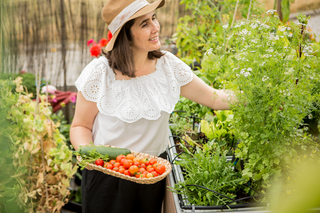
x,y
145,33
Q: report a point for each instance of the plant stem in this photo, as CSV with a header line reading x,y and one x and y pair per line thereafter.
x,y
234,15
300,46
249,10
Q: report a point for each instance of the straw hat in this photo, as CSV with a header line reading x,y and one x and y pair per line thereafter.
x,y
117,12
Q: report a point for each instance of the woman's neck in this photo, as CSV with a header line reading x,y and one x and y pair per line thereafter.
x,y
142,64
141,60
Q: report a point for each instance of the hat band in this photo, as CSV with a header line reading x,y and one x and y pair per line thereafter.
x,y
125,14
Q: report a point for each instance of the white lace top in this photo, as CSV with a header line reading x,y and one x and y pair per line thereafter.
x,y
134,113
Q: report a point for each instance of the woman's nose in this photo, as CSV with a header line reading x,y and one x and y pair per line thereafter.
x,y
155,27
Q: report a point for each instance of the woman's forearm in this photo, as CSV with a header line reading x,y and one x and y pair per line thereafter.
x,y
80,135
198,91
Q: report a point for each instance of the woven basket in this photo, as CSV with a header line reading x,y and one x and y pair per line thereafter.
x,y
134,179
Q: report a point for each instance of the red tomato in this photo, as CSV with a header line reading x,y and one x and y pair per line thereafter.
x,y
142,176
155,174
116,169
138,174
153,161
142,165
147,163
127,163
136,163
121,169
108,165
150,169
160,169
112,161
126,172
119,157
99,162
142,170
116,164
122,160
133,169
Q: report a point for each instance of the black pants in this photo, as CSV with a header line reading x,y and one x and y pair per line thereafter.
x,y
102,193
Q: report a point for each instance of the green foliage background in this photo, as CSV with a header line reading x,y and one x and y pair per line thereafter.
x,y
273,69
7,198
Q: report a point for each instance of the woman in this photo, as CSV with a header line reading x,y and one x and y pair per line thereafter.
x,y
125,99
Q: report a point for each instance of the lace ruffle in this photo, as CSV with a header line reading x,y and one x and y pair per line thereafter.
x,y
140,97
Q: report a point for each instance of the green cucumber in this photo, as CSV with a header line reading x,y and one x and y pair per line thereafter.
x,y
112,152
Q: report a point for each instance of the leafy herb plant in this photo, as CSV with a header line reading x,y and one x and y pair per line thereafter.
x,y
219,128
273,69
208,167
90,158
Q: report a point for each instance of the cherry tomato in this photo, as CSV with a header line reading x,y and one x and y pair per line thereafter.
x,y
116,164
138,174
119,157
142,170
147,163
152,161
142,176
130,156
108,165
122,160
116,169
160,169
136,160
133,169
99,162
126,172
121,169
144,160
142,165
136,163
150,169
155,174
127,163
112,161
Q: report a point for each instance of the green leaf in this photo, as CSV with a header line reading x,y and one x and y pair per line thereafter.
x,y
222,143
276,161
285,9
206,129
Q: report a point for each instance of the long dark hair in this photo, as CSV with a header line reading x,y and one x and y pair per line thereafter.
x,y
121,57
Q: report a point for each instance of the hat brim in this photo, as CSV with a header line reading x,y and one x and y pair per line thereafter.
x,y
147,9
